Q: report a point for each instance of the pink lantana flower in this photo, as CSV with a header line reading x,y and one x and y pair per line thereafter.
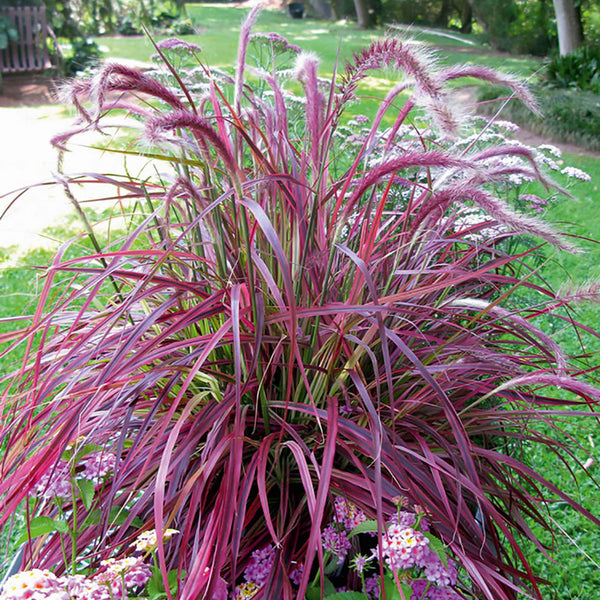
x,y
36,584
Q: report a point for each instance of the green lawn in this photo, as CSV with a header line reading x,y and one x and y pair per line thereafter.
x,y
219,26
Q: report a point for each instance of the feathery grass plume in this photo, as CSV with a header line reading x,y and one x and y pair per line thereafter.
x,y
291,320
417,62
245,32
519,87
588,292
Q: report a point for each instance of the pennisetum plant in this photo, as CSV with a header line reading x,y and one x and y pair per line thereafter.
x,y
298,319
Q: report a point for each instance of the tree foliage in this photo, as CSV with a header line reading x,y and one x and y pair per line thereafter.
x,y
295,314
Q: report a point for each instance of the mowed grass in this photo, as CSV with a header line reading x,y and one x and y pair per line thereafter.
x,y
218,28
575,572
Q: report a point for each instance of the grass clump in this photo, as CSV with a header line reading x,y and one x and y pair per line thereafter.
x,y
303,349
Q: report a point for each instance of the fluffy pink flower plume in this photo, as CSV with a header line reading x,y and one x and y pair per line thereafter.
x,y
588,292
392,52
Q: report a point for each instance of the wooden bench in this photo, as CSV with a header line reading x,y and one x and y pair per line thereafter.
x,y
30,51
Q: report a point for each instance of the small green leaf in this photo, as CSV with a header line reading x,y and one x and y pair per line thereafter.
x,y
117,516
85,450
407,590
368,526
331,567
61,526
438,547
172,579
86,489
314,593
392,592
328,587
155,587
41,526
347,596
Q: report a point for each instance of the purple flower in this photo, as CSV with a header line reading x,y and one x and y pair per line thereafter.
x,y
176,44
279,43
99,465
424,590
372,586
336,542
129,571
362,119
435,571
82,588
359,562
347,514
403,547
576,173
245,591
56,483
296,574
138,576
35,584
260,565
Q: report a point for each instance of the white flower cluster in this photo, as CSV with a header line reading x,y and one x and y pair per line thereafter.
x,y
576,173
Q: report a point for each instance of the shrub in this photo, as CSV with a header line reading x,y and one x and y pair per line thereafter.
x,y
129,26
566,115
578,70
8,32
86,53
298,323
183,26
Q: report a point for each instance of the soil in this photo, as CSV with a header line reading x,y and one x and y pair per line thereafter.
x,y
27,90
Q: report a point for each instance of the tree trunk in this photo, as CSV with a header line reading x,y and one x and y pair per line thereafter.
x,y
466,18
362,14
323,8
444,16
568,23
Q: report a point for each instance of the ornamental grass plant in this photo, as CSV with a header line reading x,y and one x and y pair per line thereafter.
x,y
301,357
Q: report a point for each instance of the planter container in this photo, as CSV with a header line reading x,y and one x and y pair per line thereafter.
x,y
296,10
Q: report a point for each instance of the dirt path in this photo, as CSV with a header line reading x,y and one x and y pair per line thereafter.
x,y
29,118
